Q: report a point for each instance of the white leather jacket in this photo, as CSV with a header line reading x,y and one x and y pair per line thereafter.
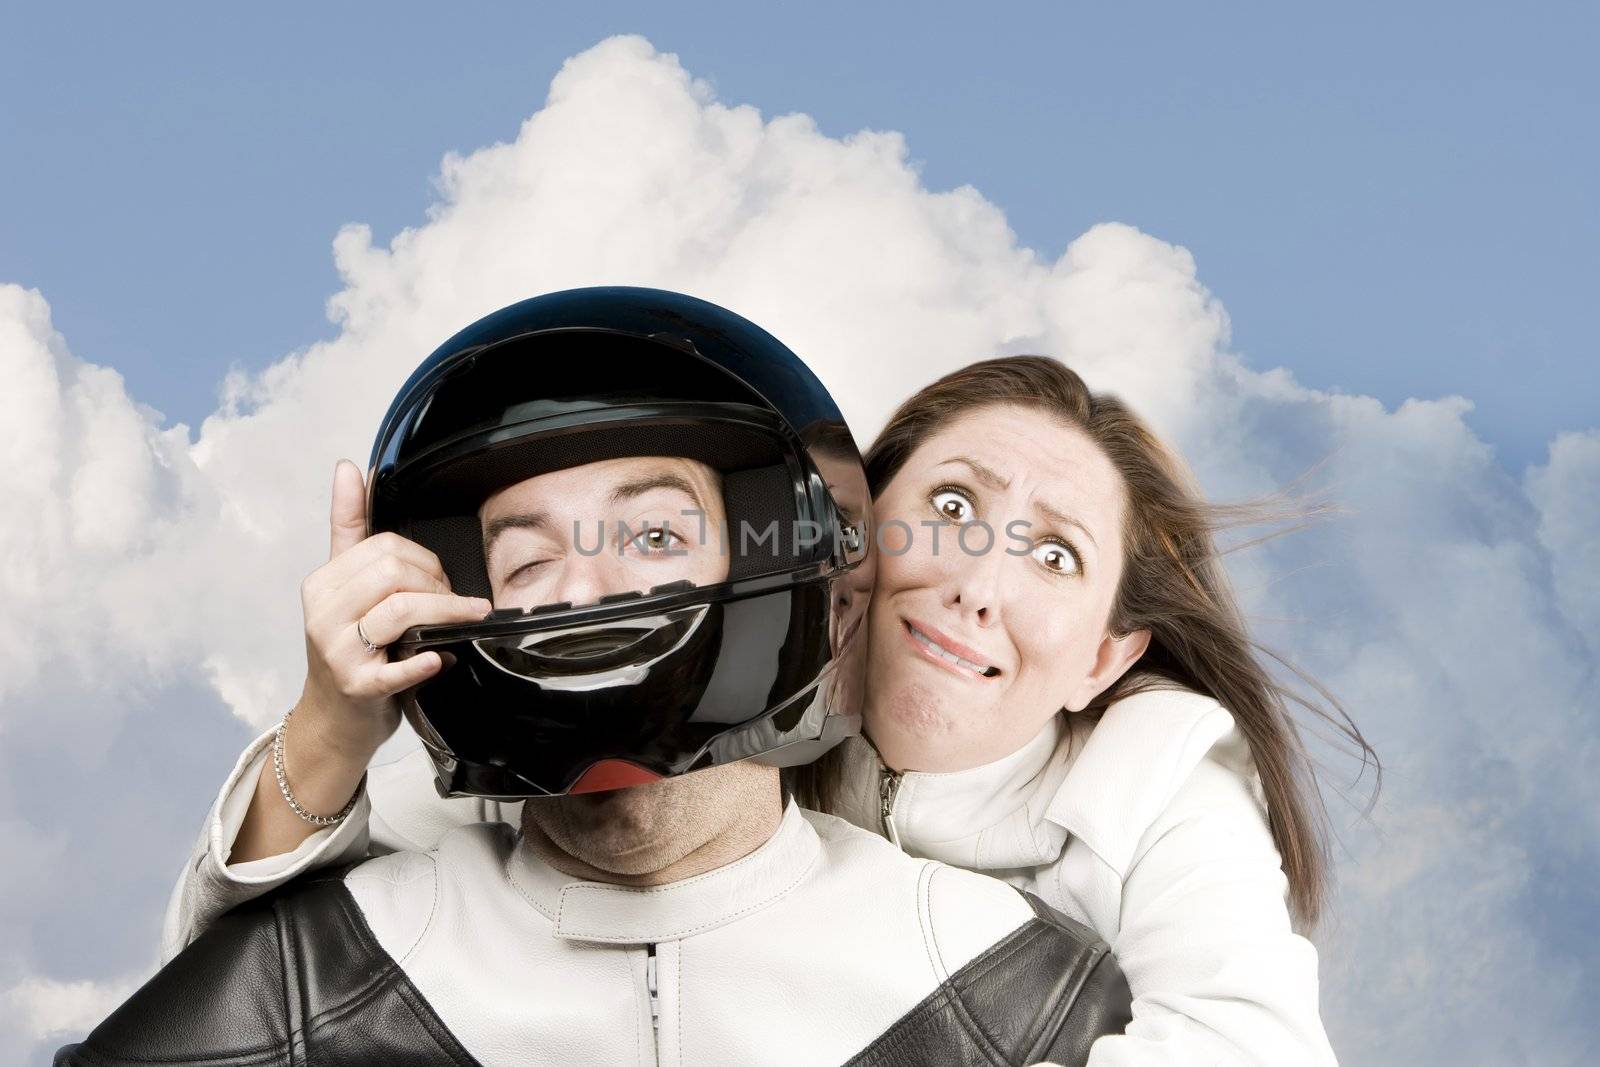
x,y
825,945
1149,826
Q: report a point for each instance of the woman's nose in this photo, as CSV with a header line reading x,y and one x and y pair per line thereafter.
x,y
973,587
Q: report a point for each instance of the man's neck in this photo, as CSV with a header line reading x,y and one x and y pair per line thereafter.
x,y
752,826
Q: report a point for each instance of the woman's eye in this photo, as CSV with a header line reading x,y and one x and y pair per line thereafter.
x,y
952,505
1054,556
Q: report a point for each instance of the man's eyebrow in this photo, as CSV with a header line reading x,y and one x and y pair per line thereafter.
x,y
521,520
626,491
984,474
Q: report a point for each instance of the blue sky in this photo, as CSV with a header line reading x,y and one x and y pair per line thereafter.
x,y
1391,199
1386,204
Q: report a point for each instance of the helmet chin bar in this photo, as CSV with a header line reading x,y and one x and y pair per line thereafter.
x,y
715,682
586,658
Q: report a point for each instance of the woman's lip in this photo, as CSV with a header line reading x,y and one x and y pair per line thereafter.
x,y
940,639
947,642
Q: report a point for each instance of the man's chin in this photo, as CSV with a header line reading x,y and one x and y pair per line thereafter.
x,y
631,831
630,849
645,829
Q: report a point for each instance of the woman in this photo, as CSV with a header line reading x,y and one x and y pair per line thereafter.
x,y
1061,693
1036,544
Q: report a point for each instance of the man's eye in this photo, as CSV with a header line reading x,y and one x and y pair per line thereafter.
x,y
525,568
1055,556
656,540
952,505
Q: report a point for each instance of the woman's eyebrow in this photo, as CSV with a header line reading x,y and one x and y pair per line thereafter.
x,y
1063,519
993,480
984,474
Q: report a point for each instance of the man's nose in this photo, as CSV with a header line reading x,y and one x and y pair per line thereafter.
x,y
586,578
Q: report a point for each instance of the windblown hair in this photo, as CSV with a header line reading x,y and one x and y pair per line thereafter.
x,y
1173,584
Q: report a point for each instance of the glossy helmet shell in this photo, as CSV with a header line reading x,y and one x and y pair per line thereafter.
x,y
642,683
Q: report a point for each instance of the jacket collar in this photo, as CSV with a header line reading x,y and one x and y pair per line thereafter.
x,y
983,818
598,911
1103,782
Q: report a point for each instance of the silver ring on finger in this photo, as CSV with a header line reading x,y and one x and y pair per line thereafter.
x,y
371,648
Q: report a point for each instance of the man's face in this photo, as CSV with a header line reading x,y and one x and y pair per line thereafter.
x,y
612,527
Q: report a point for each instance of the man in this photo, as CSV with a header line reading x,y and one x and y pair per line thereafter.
x,y
665,901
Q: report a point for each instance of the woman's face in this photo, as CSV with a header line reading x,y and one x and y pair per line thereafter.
x,y
977,640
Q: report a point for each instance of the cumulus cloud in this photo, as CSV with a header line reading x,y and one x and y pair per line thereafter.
x,y
1569,519
91,485
42,1008
150,573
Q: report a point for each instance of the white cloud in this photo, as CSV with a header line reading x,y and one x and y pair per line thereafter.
x,y
1454,608
42,1008
1569,527
89,485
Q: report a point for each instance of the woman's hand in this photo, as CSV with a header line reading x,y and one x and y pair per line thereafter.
x,y
347,707
386,584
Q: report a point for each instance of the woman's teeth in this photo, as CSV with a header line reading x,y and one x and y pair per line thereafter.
x,y
942,653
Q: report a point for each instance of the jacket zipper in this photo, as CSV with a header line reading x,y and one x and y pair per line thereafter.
x,y
650,984
888,786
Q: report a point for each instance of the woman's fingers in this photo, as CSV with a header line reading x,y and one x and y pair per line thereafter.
x,y
402,674
366,554
350,678
364,675
364,591
389,584
398,612
347,517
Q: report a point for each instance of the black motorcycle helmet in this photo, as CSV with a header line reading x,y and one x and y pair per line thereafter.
x,y
649,683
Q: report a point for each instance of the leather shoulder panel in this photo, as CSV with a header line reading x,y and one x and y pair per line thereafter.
x,y
1044,992
293,977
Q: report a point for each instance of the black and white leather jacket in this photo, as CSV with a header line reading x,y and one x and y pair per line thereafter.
x,y
826,945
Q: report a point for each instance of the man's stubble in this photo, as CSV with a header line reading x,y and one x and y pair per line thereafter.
x,y
659,832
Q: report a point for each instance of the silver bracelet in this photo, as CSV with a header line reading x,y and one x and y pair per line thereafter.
x,y
283,784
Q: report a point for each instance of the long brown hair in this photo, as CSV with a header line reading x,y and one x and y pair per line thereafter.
x,y
1173,584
